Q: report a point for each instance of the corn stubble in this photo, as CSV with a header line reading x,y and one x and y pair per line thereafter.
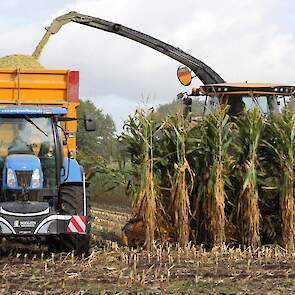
x,y
200,179
120,270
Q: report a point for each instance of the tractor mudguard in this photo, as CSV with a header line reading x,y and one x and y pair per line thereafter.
x,y
71,172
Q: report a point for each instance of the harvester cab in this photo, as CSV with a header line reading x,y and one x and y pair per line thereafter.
x,y
266,97
44,193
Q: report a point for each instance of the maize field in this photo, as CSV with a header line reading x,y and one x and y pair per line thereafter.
x,y
216,181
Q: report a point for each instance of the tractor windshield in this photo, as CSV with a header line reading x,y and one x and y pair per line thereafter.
x,y
30,135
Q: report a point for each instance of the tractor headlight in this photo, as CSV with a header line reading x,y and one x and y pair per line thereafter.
x,y
36,179
11,179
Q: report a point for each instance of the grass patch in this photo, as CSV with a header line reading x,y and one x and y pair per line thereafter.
x,y
191,287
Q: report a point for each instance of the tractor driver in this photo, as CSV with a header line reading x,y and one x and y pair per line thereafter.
x,y
47,159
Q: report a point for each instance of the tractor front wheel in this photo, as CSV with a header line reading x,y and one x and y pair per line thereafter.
x,y
71,203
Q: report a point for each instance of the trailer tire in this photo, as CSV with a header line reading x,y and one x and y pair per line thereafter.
x,y
71,203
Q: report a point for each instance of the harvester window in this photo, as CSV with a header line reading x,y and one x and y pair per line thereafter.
x,y
210,104
258,102
285,101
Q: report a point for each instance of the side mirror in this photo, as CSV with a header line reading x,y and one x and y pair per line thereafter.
x,y
89,123
184,75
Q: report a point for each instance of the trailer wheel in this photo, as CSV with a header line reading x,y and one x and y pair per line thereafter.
x,y
71,202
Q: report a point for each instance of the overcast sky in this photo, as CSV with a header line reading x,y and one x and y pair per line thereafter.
x,y
249,40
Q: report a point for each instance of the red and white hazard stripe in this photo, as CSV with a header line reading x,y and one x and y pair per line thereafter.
x,y
77,224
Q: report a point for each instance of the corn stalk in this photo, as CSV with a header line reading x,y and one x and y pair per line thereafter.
x,y
250,126
139,140
280,144
213,162
175,133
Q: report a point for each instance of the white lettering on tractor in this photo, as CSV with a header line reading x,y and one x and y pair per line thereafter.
x,y
29,223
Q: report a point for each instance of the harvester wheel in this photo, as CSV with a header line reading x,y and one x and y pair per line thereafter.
x,y
71,202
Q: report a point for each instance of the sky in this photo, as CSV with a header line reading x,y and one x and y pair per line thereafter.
x,y
249,40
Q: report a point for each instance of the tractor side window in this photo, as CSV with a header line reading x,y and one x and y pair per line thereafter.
x,y
7,134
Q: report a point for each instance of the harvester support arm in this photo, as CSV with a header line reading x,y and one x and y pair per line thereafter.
x,y
201,70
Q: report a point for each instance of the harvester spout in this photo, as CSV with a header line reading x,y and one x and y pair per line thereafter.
x,y
51,30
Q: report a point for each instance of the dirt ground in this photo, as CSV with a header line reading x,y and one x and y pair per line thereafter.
x,y
113,269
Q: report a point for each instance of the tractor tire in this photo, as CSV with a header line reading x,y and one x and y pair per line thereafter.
x,y
71,203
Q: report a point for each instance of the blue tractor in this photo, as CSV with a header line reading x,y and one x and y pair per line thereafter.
x,y
44,195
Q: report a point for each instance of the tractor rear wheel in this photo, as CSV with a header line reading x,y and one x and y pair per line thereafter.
x,y
71,203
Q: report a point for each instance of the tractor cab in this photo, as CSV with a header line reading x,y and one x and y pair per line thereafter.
x,y
32,164
31,153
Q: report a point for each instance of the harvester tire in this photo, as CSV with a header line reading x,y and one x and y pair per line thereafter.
x,y
71,203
